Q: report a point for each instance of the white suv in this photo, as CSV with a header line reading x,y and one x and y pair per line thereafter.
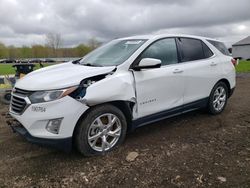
x,y
126,83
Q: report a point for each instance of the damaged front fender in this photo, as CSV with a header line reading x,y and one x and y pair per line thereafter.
x,y
112,88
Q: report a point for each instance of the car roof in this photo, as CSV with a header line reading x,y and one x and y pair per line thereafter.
x,y
159,36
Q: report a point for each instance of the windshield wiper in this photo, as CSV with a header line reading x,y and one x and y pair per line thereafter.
x,y
76,61
85,64
91,65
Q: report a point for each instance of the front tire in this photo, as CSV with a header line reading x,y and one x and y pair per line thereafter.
x,y
218,98
102,129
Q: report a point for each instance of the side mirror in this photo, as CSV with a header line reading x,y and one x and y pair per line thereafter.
x,y
148,63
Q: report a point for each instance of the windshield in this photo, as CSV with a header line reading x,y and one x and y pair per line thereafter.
x,y
112,53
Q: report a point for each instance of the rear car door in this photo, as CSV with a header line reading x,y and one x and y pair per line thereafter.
x,y
200,68
159,89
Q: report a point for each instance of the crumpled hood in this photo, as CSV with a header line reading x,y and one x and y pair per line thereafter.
x,y
59,76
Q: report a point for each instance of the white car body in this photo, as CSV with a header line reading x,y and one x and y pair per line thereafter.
x,y
151,92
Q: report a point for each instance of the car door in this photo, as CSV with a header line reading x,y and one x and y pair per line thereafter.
x,y
159,89
200,69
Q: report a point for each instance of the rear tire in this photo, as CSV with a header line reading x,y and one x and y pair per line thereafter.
x,y
218,98
102,129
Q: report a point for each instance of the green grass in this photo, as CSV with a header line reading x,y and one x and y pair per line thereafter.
x,y
8,69
243,66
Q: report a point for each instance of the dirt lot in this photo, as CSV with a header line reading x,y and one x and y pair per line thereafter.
x,y
192,150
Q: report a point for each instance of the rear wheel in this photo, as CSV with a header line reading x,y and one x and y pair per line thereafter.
x,y
218,98
101,130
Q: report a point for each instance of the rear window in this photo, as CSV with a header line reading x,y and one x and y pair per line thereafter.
x,y
207,52
193,49
220,46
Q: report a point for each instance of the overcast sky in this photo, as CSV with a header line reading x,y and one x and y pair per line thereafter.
x,y
26,22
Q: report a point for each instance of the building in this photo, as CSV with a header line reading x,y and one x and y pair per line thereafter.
x,y
241,49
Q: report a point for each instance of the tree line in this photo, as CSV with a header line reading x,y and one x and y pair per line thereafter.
x,y
53,48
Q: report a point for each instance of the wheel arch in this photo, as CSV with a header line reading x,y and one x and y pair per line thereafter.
x,y
224,80
127,109
125,106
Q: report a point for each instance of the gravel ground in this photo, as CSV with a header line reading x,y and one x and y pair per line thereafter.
x,y
192,150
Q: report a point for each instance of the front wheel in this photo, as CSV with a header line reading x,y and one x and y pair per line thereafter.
x,y
218,98
101,130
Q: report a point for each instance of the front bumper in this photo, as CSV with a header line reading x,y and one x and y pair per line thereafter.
x,y
35,121
64,144
32,122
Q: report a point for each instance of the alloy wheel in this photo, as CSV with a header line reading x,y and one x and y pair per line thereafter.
x,y
104,132
219,98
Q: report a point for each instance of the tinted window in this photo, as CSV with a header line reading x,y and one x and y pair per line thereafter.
x,y
207,52
164,49
190,49
220,46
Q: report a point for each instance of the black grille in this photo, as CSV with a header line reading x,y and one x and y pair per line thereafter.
x,y
21,91
18,103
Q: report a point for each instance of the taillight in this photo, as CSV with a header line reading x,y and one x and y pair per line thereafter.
x,y
234,61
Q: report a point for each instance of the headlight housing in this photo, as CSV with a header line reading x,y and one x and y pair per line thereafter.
x,y
51,95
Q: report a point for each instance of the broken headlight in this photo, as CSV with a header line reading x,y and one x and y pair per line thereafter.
x,y
46,96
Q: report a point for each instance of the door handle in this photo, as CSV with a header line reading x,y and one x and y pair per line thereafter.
x,y
177,71
213,64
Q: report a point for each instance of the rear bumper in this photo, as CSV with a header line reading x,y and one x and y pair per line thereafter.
x,y
231,92
64,144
